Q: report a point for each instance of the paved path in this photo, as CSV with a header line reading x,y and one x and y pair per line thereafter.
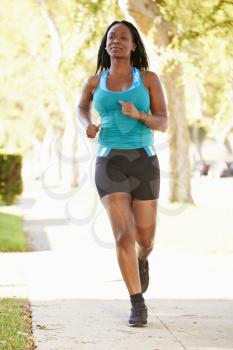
x,y
100,324
79,300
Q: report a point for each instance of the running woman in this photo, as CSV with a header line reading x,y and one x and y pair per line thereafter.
x,y
131,105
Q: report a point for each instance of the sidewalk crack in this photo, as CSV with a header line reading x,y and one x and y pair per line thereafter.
x,y
177,339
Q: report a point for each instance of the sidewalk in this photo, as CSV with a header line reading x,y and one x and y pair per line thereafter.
x,y
79,300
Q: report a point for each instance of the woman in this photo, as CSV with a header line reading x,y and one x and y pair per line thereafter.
x,y
130,103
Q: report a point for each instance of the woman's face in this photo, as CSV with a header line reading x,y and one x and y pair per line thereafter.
x,y
119,41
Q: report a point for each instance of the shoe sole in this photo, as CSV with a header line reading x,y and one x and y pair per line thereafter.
x,y
137,324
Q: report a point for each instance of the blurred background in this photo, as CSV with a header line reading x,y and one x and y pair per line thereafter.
x,y
56,242
49,47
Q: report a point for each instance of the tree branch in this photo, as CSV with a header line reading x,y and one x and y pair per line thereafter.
x,y
54,34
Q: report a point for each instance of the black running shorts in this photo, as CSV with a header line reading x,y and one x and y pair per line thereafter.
x,y
135,171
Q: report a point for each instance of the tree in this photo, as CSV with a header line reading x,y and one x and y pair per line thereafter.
x,y
148,17
44,64
177,31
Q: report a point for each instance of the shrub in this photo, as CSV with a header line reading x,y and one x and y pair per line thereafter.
x,y
11,183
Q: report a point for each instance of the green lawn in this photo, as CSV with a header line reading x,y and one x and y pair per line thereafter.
x,y
15,324
12,237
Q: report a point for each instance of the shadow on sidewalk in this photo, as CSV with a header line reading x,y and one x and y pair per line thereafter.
x,y
35,229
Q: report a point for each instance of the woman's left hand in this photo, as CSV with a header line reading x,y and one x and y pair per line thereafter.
x,y
130,110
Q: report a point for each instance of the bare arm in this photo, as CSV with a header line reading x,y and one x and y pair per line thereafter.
x,y
84,106
158,118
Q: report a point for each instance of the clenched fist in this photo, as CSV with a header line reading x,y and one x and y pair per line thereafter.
x,y
92,130
130,110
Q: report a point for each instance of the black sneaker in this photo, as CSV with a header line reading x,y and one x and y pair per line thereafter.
x,y
138,316
144,274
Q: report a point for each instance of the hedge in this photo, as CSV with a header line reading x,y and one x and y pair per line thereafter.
x,y
11,183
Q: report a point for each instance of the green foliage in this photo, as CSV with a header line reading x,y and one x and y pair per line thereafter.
x,y
194,19
26,98
208,85
217,87
201,38
92,19
11,183
31,87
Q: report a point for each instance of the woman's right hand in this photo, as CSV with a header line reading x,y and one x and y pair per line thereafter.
x,y
92,130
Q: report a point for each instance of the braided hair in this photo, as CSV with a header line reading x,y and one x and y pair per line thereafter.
x,y
138,57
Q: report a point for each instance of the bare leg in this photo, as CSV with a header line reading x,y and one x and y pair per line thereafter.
x,y
145,214
119,210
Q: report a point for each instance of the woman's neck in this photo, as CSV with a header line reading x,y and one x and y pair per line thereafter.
x,y
120,68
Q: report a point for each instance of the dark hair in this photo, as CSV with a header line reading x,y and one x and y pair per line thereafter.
x,y
138,57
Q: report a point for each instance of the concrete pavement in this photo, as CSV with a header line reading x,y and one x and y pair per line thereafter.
x,y
79,300
101,324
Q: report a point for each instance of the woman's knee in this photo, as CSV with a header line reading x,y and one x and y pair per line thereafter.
x,y
147,244
146,237
124,240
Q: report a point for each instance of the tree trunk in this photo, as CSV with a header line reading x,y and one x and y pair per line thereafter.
x,y
147,17
180,185
68,168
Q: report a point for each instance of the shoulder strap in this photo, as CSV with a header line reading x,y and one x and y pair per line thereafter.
x,y
102,81
143,76
99,77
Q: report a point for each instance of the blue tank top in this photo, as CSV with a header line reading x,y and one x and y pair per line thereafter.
x,y
119,131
